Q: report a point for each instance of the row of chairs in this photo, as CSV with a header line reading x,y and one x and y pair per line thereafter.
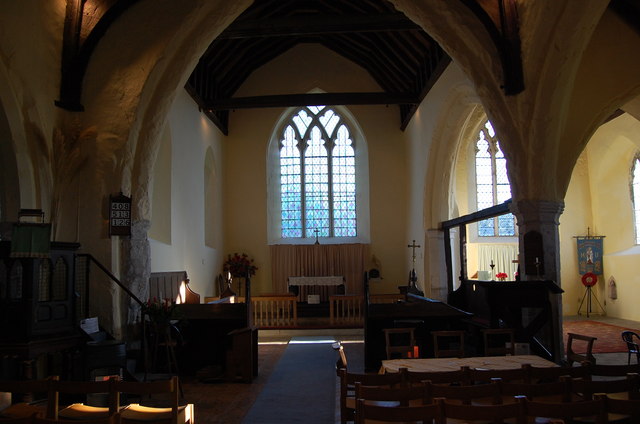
x,y
564,398
57,392
465,376
401,342
520,411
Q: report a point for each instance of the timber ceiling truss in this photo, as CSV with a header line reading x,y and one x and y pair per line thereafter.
x,y
397,53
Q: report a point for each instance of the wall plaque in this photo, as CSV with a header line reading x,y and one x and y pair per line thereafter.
x,y
119,215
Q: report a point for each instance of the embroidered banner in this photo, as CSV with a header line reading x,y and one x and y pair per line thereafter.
x,y
589,255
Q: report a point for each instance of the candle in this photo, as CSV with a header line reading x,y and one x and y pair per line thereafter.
x,y
416,352
492,264
537,261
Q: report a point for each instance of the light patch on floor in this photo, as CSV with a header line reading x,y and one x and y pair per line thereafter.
x,y
312,340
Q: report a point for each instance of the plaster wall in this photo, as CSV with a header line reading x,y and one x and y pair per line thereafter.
x,y
610,154
302,69
190,134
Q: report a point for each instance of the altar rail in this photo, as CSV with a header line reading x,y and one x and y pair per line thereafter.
x,y
275,310
348,309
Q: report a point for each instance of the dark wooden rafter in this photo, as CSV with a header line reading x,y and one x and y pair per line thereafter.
x,y
311,99
291,26
78,48
501,23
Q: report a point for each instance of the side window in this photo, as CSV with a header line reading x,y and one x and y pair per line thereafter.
x,y
492,183
635,195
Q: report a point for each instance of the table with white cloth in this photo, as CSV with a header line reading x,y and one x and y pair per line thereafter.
x,y
454,364
323,286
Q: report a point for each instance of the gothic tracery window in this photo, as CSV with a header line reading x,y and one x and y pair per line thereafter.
x,y
317,176
492,183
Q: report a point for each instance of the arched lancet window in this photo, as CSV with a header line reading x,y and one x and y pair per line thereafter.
x,y
317,176
635,195
492,183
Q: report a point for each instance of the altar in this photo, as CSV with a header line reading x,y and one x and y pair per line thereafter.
x,y
323,286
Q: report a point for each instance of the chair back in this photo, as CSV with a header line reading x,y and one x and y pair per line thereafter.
x,y
485,413
425,414
113,419
148,388
549,374
632,340
567,411
498,341
399,342
348,381
396,396
460,376
448,344
486,375
553,391
610,370
586,342
629,386
630,408
488,394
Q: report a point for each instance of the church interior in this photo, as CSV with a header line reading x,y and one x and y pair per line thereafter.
x,y
230,155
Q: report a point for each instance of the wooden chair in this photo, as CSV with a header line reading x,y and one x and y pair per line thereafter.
x,y
480,413
79,390
399,342
478,394
461,376
551,374
553,391
584,341
30,388
498,341
172,413
623,409
609,370
348,381
627,387
391,396
425,414
633,345
595,409
448,344
478,375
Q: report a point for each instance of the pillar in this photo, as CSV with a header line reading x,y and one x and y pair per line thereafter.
x,y
539,246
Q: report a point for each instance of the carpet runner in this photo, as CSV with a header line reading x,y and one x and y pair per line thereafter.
x,y
609,339
301,388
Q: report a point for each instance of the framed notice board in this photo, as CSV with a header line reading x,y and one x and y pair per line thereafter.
x,y
119,215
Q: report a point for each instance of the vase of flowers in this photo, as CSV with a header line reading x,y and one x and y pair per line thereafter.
x,y
239,265
501,276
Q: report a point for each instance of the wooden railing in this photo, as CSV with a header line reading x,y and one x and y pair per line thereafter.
x,y
349,309
346,309
275,310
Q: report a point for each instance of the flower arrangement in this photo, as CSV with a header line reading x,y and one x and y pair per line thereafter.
x,y
501,276
239,265
160,311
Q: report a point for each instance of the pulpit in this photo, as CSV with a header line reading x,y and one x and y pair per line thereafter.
x,y
528,307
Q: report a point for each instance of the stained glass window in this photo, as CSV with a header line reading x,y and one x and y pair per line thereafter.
x,y
635,195
492,183
317,176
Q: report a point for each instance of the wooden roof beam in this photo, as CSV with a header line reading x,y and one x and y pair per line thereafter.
x,y
312,99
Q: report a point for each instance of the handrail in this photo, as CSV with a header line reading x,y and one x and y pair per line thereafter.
x,y
113,277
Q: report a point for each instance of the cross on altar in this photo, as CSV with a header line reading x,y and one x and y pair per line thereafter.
x,y
316,231
413,247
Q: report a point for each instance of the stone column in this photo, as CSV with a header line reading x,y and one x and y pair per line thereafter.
x,y
136,266
539,246
539,239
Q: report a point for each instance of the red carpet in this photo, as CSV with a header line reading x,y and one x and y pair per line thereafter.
x,y
608,335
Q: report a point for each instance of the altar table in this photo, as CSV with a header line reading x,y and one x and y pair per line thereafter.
x,y
454,364
323,286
